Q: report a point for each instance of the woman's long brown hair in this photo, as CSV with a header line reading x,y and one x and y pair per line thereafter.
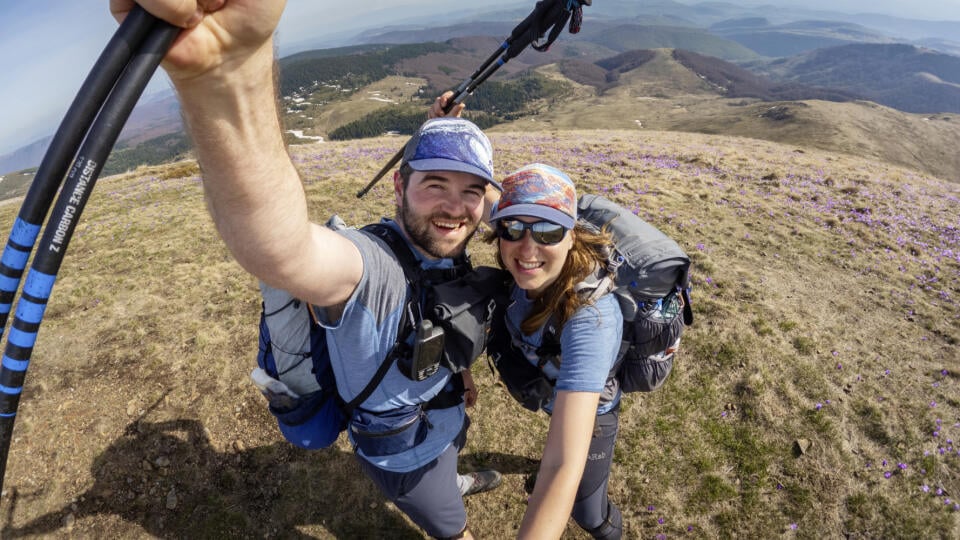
x,y
590,249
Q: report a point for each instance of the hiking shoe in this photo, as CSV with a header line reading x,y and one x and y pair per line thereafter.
x,y
483,480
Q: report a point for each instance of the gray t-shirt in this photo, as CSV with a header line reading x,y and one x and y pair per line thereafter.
x,y
362,337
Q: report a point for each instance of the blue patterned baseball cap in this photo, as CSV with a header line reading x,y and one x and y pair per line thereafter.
x,y
541,191
451,144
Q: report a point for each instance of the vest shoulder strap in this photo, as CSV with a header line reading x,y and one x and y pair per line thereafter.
x,y
408,260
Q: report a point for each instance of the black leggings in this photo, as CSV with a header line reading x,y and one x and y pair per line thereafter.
x,y
590,508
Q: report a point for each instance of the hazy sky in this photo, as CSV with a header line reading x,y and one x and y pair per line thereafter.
x,y
47,47
931,10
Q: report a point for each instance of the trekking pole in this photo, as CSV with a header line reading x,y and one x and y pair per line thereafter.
x,y
73,197
546,14
465,89
61,151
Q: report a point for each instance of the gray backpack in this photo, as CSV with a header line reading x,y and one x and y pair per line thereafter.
x,y
652,285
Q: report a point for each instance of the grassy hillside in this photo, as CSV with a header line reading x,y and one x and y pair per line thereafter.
x,y
305,72
16,184
815,397
494,102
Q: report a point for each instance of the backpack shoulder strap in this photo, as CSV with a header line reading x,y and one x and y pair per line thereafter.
x,y
399,248
549,349
347,408
594,286
411,265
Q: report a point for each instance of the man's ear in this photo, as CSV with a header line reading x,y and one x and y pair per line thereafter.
x,y
397,188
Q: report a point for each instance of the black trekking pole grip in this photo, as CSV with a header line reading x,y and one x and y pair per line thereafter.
x,y
63,220
61,151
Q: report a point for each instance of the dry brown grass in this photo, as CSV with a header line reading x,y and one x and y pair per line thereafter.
x,y
826,307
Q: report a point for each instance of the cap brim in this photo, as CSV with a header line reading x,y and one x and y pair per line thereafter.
x,y
442,164
538,211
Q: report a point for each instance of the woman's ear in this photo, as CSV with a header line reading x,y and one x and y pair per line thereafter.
x,y
570,240
490,198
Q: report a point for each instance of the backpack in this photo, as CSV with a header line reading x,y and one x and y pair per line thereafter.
x,y
652,286
649,275
445,323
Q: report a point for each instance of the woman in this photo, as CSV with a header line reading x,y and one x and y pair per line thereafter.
x,y
557,268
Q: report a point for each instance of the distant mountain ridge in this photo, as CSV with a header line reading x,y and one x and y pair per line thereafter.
x,y
713,40
901,76
669,92
733,81
612,36
25,157
724,78
794,38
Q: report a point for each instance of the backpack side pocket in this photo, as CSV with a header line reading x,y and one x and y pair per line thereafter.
x,y
653,338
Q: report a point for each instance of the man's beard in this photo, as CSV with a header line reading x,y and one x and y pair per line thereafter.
x,y
418,229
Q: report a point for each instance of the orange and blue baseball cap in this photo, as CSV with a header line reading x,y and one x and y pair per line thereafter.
x,y
451,144
540,191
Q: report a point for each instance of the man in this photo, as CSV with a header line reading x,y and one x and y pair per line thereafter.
x,y
218,66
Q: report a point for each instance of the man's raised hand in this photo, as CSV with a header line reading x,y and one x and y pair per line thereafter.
x,y
436,110
218,35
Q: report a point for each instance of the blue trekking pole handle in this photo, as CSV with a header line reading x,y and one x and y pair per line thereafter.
x,y
486,63
61,151
73,197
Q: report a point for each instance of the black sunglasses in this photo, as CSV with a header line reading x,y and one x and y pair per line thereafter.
x,y
543,232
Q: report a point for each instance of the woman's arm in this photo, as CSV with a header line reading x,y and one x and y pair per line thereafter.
x,y
561,467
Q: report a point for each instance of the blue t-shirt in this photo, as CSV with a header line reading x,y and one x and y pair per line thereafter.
x,y
360,339
589,343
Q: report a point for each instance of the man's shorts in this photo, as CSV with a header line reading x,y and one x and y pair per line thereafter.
x,y
428,495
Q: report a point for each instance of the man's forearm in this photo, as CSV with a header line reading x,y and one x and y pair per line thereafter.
x,y
254,192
